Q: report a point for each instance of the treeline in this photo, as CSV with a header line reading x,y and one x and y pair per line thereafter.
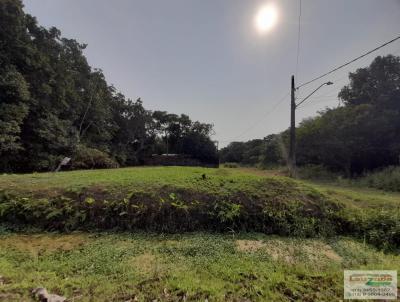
x,y
361,135
53,104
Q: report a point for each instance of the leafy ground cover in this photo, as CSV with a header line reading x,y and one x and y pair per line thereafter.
x,y
166,199
182,199
188,267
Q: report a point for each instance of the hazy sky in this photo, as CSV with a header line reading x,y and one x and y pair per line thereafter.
x,y
206,59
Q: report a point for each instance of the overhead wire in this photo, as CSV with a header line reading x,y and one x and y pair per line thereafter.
x,y
312,80
349,62
276,105
337,81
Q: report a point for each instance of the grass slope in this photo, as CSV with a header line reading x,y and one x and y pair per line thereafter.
x,y
165,199
180,199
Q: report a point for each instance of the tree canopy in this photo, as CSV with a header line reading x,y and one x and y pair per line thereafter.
x,y
54,104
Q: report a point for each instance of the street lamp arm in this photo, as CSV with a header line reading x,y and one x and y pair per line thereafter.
x,y
327,83
293,107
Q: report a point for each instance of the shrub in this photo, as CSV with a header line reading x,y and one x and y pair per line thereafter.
x,y
387,179
380,227
89,158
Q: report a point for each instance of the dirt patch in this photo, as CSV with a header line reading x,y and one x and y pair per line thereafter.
x,y
249,245
172,243
280,250
315,250
223,172
145,264
277,249
291,251
39,244
331,254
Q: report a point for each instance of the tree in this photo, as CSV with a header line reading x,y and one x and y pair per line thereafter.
x,y
274,152
364,134
54,104
14,96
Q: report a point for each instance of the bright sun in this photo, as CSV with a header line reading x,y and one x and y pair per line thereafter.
x,y
266,18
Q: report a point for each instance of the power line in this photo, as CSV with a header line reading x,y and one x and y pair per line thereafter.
x,y
336,81
306,83
298,41
261,119
349,62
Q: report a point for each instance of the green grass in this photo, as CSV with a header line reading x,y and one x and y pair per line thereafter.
x,y
182,199
169,199
198,266
134,177
189,177
326,229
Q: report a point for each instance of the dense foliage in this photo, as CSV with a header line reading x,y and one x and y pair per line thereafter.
x,y
53,104
267,152
360,136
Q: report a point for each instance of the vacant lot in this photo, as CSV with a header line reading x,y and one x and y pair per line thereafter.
x,y
191,234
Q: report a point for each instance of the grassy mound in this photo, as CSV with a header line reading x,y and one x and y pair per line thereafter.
x,y
172,199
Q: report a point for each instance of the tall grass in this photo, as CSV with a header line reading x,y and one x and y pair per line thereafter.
x,y
387,179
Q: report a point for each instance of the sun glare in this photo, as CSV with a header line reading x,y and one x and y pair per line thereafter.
x,y
266,18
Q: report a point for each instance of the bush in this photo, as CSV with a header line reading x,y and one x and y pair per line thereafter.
x,y
387,179
380,227
89,158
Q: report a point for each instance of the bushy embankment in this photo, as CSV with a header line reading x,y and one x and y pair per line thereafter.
x,y
210,202
188,199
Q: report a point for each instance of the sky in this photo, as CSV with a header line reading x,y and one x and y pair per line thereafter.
x,y
205,58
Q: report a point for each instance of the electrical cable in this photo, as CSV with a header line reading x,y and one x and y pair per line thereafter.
x,y
349,62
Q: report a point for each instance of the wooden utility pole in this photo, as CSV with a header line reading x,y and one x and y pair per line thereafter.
x,y
292,150
293,107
